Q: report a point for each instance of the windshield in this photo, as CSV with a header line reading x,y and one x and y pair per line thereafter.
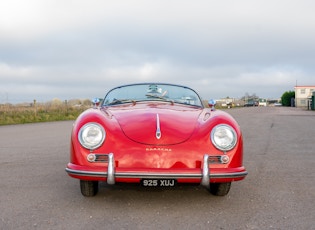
x,y
152,92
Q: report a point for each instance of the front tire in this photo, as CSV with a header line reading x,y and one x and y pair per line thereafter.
x,y
220,189
89,188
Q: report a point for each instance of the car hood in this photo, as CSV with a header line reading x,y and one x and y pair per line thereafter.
x,y
157,126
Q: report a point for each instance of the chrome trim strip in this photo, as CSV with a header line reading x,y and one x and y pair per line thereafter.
x,y
158,133
178,175
85,173
158,175
205,181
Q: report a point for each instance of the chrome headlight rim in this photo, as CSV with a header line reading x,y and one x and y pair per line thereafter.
x,y
230,133
82,135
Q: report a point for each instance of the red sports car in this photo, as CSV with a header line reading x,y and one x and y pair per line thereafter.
x,y
156,135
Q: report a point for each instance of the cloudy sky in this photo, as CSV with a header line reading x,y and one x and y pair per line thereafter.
x,y
80,49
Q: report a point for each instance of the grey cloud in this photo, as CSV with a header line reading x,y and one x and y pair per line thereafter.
x,y
220,48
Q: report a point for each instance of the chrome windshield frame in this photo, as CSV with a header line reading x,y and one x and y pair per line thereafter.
x,y
153,96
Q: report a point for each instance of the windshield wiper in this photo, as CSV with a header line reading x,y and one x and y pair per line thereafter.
x,y
160,97
121,101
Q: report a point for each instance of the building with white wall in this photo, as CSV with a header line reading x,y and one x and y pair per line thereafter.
x,y
303,95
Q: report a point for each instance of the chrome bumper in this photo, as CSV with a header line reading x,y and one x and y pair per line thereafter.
x,y
204,175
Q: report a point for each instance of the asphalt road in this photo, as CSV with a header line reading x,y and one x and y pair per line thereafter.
x,y
278,193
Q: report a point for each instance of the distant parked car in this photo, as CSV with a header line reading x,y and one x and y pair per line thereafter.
x,y
156,135
251,103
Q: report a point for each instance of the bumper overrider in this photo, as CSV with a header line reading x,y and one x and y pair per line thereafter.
x,y
204,174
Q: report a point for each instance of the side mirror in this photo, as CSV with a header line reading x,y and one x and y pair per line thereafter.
x,y
96,102
212,104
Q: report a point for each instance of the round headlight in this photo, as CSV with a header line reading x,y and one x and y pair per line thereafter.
x,y
223,137
92,135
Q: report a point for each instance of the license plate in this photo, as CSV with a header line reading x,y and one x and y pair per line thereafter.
x,y
158,182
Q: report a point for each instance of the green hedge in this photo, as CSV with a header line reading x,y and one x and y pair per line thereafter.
x,y
16,115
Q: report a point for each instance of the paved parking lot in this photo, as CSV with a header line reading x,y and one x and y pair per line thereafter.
x,y
278,193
